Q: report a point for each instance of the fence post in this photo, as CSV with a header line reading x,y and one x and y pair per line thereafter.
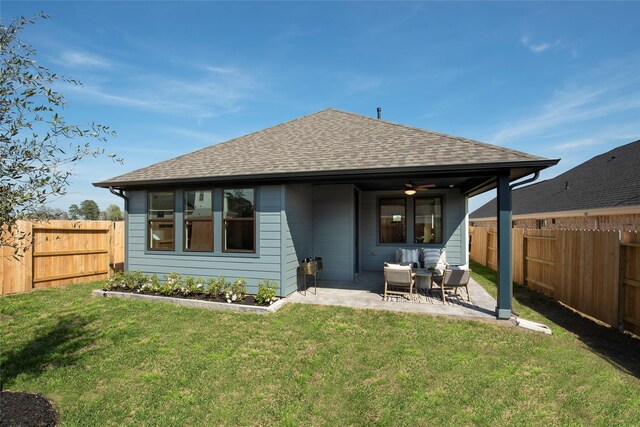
x,y
525,263
621,252
486,247
111,233
28,254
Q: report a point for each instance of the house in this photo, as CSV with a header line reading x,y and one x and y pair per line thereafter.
x,y
600,194
331,184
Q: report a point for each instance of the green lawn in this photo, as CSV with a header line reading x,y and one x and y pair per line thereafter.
x,y
124,362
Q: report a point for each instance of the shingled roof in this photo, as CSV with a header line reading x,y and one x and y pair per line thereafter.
x,y
329,140
609,180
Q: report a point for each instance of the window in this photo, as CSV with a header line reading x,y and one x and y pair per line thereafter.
x,y
393,220
427,220
160,220
198,221
239,220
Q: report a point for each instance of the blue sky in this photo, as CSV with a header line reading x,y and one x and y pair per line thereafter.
x,y
559,80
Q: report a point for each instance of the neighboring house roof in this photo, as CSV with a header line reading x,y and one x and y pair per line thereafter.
x,y
327,141
609,180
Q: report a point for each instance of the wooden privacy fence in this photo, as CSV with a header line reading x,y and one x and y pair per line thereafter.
x,y
593,271
62,252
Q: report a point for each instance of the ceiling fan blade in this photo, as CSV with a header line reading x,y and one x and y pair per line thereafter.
x,y
424,187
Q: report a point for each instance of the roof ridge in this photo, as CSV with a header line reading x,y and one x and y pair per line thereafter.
x,y
446,135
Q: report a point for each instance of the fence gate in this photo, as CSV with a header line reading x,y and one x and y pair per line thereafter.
x,y
62,252
69,255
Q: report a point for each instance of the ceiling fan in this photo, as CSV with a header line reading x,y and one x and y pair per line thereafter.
x,y
411,189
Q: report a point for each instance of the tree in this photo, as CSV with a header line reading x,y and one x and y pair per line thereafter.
x,y
114,213
74,212
89,210
37,145
45,213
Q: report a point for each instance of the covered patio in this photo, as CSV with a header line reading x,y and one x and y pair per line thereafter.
x,y
367,291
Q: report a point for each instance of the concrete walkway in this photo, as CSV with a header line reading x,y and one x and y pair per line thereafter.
x,y
368,290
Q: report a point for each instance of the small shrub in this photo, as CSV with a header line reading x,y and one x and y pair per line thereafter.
x,y
129,280
189,286
266,292
151,285
116,281
173,279
172,284
214,287
136,280
223,285
237,291
201,286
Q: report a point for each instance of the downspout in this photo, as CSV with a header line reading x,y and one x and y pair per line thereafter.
x,y
120,193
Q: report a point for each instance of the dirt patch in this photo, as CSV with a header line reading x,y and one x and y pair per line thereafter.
x,y
19,409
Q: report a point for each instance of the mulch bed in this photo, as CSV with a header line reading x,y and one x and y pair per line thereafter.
x,y
248,300
19,409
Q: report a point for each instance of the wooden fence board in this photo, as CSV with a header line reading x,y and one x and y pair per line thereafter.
x,y
584,269
63,252
631,272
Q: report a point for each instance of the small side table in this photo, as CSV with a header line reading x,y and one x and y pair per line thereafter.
x,y
423,279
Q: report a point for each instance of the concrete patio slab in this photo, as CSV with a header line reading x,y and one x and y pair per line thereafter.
x,y
368,292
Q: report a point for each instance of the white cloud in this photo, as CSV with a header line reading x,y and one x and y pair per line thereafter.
x,y
222,90
220,70
578,143
538,47
74,58
572,106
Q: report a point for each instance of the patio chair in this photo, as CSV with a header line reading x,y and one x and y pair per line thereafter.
x,y
452,279
398,280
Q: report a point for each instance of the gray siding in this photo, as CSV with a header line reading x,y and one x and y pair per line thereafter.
x,y
265,264
298,229
333,230
455,238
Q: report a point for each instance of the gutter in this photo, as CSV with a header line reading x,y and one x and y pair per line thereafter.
x,y
120,193
373,173
535,176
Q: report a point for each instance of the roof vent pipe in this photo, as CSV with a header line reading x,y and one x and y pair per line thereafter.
x,y
379,109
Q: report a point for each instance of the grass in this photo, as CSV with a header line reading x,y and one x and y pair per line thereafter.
x,y
123,362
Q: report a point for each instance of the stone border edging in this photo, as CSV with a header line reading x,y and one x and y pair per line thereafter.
x,y
208,305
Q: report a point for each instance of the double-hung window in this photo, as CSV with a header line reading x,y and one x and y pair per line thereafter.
x,y
239,220
160,221
198,220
